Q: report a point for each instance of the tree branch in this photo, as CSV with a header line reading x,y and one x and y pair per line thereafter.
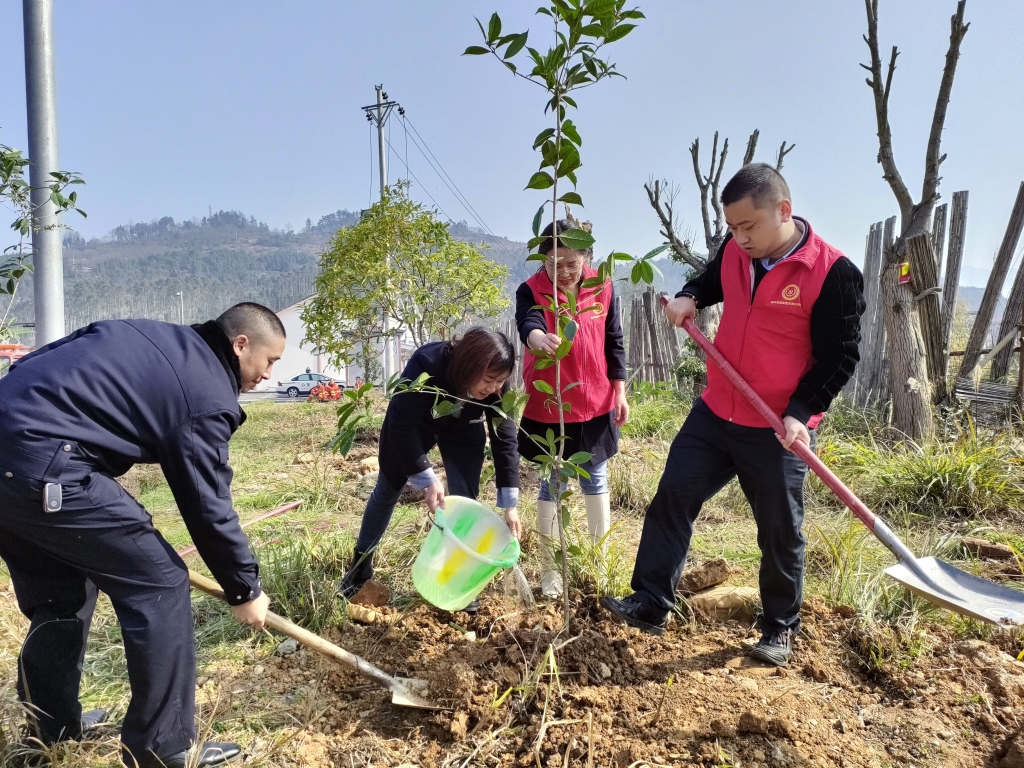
x,y
886,159
932,161
716,200
748,156
680,247
783,151
703,185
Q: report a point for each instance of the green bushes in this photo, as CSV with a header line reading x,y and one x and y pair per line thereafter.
x,y
656,411
968,476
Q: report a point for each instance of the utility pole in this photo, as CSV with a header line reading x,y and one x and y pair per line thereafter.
x,y
378,114
181,306
41,100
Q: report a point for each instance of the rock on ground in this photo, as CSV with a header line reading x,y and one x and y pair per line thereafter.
x,y
988,549
372,594
727,602
709,574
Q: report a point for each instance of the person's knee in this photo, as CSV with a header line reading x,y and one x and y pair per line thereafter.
x,y
597,483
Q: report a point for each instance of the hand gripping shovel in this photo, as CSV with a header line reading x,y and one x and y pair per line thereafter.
x,y
402,692
932,579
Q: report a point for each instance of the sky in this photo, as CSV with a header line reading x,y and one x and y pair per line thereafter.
x,y
168,109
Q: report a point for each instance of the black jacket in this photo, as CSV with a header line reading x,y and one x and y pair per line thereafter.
x,y
835,330
124,392
410,429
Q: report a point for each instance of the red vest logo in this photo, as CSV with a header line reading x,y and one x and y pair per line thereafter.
x,y
791,292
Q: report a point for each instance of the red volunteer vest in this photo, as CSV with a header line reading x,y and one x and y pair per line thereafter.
x,y
585,363
767,341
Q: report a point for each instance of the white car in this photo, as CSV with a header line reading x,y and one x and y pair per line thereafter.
x,y
301,384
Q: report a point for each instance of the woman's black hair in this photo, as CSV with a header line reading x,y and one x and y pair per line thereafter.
x,y
479,351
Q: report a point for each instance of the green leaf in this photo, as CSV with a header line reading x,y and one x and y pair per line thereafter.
x,y
537,220
543,386
619,32
535,241
564,348
577,239
636,275
566,517
574,550
655,251
580,457
571,133
570,101
508,401
620,256
496,422
537,257
570,329
540,180
494,28
518,41
572,198
567,387
647,272
540,365
442,409
567,407
592,282
475,50
543,136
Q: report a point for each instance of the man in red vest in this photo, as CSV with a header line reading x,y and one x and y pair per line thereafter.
x,y
790,326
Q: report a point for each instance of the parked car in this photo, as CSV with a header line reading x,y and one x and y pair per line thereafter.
x,y
8,354
302,384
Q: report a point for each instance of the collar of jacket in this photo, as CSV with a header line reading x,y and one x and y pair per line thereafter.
x,y
218,341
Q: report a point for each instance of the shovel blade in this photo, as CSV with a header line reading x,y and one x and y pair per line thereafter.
x,y
410,692
962,592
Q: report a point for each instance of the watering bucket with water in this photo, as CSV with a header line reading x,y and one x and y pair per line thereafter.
x,y
467,545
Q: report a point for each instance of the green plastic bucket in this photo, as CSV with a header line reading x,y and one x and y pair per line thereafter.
x,y
467,545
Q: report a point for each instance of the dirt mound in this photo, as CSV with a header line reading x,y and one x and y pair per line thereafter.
x,y
522,693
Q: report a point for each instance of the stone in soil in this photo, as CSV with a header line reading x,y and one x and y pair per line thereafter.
x,y
372,594
369,464
287,647
987,549
709,574
727,602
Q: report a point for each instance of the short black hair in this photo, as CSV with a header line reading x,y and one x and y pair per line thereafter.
x,y
761,182
260,324
480,351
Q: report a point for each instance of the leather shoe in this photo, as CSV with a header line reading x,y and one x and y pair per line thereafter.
x,y
90,721
473,608
632,612
211,753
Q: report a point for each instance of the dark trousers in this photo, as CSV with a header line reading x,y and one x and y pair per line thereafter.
x,y
102,538
463,463
706,454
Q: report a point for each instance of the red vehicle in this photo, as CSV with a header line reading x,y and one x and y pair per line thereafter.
x,y
8,354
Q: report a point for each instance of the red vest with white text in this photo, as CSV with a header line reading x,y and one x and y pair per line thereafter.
x,y
585,363
768,340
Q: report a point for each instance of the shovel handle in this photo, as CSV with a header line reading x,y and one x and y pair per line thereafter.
x,y
308,639
881,531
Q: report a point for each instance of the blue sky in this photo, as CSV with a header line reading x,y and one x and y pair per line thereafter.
x,y
168,108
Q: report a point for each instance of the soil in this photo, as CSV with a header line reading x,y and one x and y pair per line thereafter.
x,y
611,696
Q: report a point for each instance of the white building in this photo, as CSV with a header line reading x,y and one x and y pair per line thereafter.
x,y
298,357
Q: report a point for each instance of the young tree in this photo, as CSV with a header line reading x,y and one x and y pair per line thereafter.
x,y
401,262
905,347
582,28
16,194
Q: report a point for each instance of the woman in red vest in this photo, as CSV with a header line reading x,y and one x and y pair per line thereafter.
x,y
597,405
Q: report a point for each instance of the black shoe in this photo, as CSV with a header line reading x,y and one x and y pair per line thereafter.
x,y
633,612
473,607
90,721
774,647
360,573
211,753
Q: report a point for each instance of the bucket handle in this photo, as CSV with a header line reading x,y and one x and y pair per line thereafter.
x,y
439,521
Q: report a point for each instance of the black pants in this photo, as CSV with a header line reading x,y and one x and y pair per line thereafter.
x,y
706,454
463,462
102,538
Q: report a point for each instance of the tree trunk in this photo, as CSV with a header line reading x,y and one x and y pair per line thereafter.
x,y
872,344
954,258
924,277
1011,319
908,373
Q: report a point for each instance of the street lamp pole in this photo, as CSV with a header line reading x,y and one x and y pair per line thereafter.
x,y
181,299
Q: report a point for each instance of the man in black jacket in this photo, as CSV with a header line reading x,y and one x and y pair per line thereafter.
x,y
74,415
791,327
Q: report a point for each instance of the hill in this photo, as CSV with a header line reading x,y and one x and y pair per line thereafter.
x,y
138,269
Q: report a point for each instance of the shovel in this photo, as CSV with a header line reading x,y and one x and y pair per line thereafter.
x,y
935,581
404,692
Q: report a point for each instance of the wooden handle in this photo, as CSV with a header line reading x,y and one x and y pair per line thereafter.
x,y
307,638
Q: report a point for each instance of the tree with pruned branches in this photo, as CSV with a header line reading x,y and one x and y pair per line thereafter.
x,y
662,197
905,344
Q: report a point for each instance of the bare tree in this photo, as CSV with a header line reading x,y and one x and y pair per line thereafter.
x,y
911,388
662,197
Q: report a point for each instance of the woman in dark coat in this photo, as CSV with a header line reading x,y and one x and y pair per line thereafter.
x,y
475,368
